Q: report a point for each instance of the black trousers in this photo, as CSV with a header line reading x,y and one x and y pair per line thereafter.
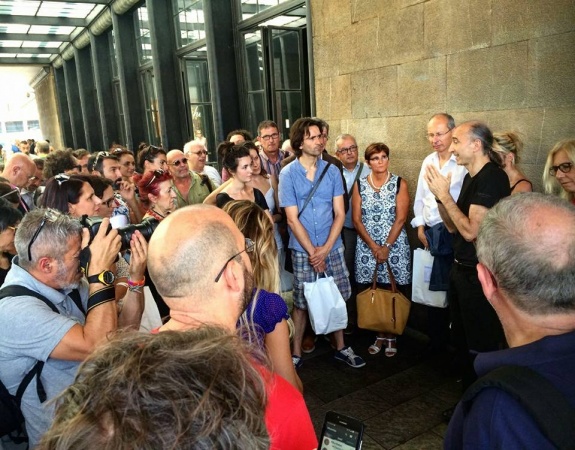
x,y
475,326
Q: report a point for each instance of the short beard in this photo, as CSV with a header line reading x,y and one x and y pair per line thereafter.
x,y
248,289
62,275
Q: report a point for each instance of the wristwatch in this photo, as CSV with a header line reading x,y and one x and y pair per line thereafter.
x,y
105,277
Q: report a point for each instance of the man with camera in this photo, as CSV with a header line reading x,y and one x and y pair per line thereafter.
x,y
63,315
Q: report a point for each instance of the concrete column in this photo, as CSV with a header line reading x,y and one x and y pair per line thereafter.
x,y
63,109
127,55
88,100
102,66
74,107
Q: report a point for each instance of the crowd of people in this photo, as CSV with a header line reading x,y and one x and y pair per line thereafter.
x,y
84,238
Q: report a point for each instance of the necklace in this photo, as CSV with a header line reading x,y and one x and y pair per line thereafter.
x,y
373,184
156,214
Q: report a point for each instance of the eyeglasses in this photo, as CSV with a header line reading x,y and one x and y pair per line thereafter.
x,y
62,178
51,215
157,173
13,228
381,158
346,150
13,191
111,201
267,137
201,152
564,167
437,135
152,151
179,162
249,248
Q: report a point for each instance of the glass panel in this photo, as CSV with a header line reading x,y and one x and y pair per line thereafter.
x,y
33,124
119,114
252,7
198,81
143,42
203,126
189,21
34,44
151,107
14,126
286,59
289,108
113,60
50,29
256,110
254,61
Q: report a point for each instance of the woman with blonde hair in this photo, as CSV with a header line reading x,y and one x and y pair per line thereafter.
x,y
509,145
558,175
266,315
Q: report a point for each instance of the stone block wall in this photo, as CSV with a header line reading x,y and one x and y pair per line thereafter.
x,y
47,109
383,67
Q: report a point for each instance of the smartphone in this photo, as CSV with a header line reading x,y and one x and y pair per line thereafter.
x,y
341,432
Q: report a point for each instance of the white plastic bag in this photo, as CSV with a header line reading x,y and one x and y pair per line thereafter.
x,y
422,264
326,306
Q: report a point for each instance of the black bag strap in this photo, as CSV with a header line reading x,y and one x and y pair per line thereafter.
x,y
36,371
308,199
358,174
554,415
75,296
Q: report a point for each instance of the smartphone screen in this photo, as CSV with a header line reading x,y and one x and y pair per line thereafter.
x,y
337,436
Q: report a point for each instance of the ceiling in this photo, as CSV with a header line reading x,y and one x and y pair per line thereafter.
x,y
35,32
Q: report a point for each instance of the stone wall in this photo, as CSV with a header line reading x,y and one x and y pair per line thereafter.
x,y
48,111
383,67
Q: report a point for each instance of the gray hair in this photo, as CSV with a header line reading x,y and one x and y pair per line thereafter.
x,y
532,263
482,132
341,137
191,144
52,239
448,117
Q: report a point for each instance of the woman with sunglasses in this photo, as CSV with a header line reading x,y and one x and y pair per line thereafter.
x,y
71,194
559,175
156,187
10,217
266,316
103,188
151,158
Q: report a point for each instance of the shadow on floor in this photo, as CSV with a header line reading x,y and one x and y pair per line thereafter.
x,y
399,399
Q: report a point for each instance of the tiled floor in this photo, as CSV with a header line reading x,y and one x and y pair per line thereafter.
x,y
400,399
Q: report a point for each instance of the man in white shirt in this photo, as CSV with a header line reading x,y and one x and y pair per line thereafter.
x,y
426,212
197,155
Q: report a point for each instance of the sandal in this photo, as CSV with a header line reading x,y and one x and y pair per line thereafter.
x,y
391,349
374,349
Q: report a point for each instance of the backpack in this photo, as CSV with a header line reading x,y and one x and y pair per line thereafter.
x,y
11,417
548,407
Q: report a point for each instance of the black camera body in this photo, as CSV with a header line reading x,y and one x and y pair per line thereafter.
x,y
146,227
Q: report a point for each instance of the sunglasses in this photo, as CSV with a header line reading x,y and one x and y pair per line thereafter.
x,y
99,156
179,162
51,215
13,191
61,178
157,173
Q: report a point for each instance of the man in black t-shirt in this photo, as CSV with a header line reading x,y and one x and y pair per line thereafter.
x,y
475,326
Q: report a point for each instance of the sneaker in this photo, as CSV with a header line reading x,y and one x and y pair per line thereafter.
x,y
347,355
297,361
308,344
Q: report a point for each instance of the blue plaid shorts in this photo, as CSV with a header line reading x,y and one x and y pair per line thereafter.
x,y
303,272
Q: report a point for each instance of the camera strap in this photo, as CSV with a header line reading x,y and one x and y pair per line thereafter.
x,y
104,295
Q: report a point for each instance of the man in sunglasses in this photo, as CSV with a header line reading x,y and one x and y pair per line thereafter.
x,y
191,187
197,155
73,315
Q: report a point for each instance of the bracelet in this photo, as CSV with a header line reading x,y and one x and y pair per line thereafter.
x,y
140,283
104,295
388,245
137,289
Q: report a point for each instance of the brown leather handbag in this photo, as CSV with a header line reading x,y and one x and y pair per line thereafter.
x,y
382,310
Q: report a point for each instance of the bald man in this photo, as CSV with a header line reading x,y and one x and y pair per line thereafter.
x,y
191,187
198,261
19,169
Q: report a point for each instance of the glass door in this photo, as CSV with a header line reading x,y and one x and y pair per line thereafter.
x,y
151,107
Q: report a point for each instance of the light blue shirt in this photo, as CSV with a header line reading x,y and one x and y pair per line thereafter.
x,y
349,176
317,218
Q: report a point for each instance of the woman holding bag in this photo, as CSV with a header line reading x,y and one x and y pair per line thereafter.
x,y
380,203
